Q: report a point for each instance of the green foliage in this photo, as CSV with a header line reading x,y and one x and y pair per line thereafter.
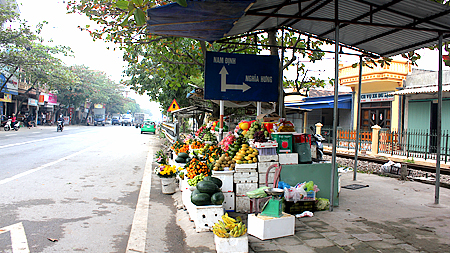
x,y
409,160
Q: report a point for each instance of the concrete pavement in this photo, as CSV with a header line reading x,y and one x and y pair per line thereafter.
x,y
388,216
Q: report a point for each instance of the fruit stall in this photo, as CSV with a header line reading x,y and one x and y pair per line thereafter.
x,y
237,175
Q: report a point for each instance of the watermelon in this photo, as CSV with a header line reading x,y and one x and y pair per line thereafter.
x,y
180,160
215,180
217,198
201,199
208,187
183,155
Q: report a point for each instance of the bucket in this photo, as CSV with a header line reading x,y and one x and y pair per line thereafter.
x,y
168,185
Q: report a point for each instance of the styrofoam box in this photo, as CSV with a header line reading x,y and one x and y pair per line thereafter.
x,y
264,227
243,188
206,216
291,158
246,177
263,166
246,166
268,144
267,158
262,178
227,179
231,244
229,204
242,204
184,184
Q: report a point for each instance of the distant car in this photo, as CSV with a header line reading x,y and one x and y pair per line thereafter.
x,y
148,127
127,120
108,122
115,120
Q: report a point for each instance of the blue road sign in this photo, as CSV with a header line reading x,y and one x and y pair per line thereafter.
x,y
241,77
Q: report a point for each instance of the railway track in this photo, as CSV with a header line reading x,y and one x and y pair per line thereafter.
x,y
421,167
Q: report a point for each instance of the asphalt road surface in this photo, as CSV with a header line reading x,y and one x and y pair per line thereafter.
x,y
78,190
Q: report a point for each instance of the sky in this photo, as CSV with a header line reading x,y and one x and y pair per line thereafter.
x,y
63,29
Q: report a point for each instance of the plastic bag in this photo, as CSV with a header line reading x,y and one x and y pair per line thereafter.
x,y
282,185
322,204
258,193
294,194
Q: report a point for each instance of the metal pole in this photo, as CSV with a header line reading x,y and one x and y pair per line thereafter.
x,y
258,108
438,127
222,109
335,105
358,117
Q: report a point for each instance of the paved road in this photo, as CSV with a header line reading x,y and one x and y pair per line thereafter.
x,y
70,191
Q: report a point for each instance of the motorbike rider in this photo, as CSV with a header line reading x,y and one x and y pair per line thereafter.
x,y
13,120
61,118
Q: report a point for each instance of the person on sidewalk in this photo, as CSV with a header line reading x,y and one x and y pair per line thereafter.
x,y
30,120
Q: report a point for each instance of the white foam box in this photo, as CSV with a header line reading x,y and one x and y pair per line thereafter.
x,y
243,188
245,177
242,204
291,158
263,166
184,184
231,244
206,216
227,179
262,178
264,227
268,158
237,167
229,204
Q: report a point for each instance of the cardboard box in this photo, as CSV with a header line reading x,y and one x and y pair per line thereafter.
x,y
243,188
291,158
264,227
227,179
231,244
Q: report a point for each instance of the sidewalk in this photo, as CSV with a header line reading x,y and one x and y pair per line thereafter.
x,y
388,216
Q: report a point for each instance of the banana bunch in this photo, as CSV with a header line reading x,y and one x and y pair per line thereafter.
x,y
229,227
238,230
220,230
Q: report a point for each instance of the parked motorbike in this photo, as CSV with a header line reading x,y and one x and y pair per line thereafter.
x,y
8,126
59,126
316,145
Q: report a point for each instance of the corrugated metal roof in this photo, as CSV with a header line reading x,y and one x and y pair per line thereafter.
x,y
383,27
417,90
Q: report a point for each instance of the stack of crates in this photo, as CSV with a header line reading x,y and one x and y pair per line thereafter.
x,y
245,180
227,189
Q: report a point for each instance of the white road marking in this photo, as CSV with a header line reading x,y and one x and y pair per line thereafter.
x,y
138,233
10,134
36,132
28,142
6,180
19,241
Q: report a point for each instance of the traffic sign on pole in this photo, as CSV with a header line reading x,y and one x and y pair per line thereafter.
x,y
241,77
173,106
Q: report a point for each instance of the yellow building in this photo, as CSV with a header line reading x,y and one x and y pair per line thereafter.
x,y
378,107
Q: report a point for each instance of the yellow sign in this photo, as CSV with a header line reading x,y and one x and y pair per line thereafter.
x,y
6,98
174,106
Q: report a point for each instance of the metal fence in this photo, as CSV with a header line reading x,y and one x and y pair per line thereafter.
x,y
414,143
408,143
346,138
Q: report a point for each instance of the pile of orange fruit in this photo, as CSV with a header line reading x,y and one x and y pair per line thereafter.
x,y
197,145
196,167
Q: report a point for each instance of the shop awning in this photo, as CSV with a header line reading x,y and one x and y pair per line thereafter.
x,y
383,27
422,89
344,102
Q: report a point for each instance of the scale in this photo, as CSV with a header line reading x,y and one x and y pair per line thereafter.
x,y
272,207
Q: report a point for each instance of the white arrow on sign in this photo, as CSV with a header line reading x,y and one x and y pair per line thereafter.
x,y
224,86
18,237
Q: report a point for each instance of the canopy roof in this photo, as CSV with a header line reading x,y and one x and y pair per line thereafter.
x,y
383,27
344,102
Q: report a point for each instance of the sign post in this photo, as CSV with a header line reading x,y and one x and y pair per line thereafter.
x,y
241,77
173,106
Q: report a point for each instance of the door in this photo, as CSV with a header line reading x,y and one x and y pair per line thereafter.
x,y
419,118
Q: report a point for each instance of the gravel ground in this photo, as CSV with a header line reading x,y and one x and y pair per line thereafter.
x,y
375,168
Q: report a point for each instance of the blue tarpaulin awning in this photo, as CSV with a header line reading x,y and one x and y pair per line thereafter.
x,y
207,20
344,102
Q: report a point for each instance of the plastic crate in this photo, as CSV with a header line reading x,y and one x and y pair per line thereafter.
x,y
299,207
